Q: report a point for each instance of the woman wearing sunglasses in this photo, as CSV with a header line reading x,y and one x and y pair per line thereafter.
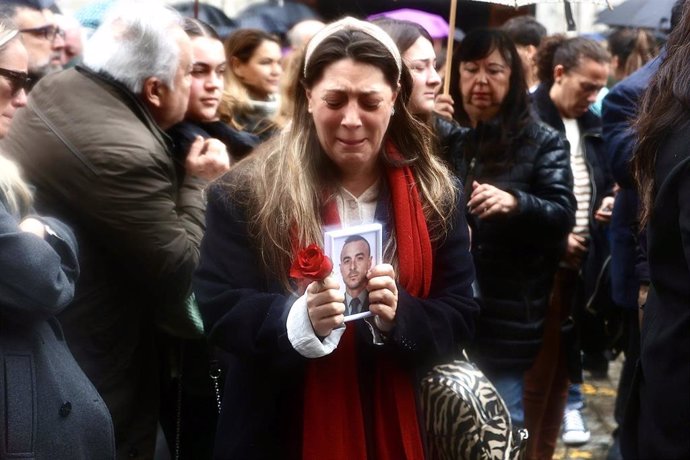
x,y
48,406
14,79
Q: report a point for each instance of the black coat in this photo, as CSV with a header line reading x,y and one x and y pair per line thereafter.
x,y
516,256
450,138
600,179
628,268
48,408
592,298
245,313
662,408
238,143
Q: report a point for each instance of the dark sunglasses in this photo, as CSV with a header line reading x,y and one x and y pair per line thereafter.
x,y
49,32
18,80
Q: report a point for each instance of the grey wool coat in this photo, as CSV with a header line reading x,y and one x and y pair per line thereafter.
x,y
48,407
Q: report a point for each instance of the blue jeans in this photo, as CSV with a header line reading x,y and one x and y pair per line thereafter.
x,y
510,386
575,399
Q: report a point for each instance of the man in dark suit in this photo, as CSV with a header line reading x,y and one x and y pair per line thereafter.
x,y
355,262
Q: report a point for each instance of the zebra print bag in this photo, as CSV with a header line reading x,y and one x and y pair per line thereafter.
x,y
466,419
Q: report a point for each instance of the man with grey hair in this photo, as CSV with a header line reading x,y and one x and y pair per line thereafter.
x,y
299,35
92,142
41,35
74,38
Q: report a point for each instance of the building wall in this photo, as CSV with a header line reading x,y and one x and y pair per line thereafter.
x,y
552,15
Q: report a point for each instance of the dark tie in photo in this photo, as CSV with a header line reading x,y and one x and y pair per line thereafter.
x,y
354,306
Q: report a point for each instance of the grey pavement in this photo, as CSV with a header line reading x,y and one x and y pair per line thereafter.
x,y
600,397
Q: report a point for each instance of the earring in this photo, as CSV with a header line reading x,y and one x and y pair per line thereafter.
x,y
392,111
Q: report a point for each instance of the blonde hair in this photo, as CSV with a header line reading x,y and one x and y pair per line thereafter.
x,y
240,45
289,179
7,32
291,72
14,193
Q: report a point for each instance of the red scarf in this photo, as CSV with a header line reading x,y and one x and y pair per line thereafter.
x,y
333,420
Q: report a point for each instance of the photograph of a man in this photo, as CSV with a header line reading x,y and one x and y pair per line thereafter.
x,y
355,262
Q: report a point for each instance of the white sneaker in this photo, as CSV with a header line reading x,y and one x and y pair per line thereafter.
x,y
575,431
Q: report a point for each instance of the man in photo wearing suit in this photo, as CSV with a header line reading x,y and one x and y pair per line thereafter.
x,y
355,262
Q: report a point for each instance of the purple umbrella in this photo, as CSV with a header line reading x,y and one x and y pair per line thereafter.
x,y
433,23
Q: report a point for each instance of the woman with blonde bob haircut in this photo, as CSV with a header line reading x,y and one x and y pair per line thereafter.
x,y
14,77
40,382
298,378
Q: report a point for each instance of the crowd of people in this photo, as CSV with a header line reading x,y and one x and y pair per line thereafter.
x,y
158,183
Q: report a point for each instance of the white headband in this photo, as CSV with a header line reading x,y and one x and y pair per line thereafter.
x,y
7,35
351,23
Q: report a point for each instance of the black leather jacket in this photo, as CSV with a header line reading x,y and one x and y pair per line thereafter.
x,y
449,137
516,256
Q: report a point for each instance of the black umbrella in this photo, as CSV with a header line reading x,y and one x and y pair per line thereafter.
x,y
215,17
276,17
651,14
37,4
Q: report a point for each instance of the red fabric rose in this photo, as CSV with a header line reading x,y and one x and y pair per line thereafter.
x,y
312,264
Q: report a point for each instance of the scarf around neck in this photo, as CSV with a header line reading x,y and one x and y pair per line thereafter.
x,y
334,425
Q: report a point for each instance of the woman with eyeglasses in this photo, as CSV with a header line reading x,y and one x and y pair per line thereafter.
x,y
14,80
48,407
520,206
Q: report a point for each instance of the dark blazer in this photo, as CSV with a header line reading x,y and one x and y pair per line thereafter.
x,y
101,164
516,256
48,408
245,312
663,406
618,110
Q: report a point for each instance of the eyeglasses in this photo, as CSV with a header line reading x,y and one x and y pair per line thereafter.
x,y
18,80
49,32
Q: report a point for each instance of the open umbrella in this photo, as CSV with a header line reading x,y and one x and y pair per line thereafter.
x,y
432,23
38,4
276,17
211,15
651,14
517,3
